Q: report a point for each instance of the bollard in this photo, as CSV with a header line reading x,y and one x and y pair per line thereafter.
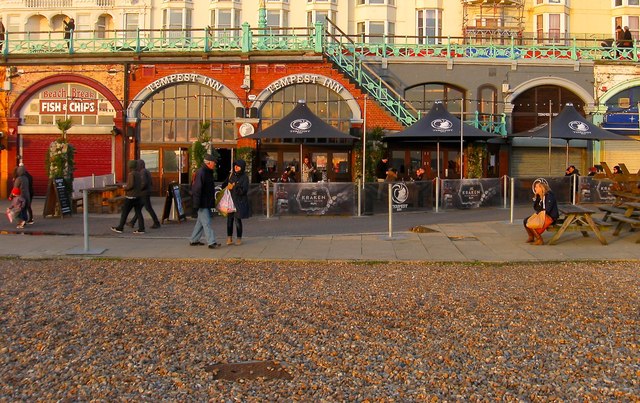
x,y
574,180
513,184
267,184
505,191
390,198
437,192
359,198
85,223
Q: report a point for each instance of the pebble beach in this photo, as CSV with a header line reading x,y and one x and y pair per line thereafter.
x,y
153,329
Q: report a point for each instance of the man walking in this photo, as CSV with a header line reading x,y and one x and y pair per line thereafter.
x,y
147,186
133,200
203,197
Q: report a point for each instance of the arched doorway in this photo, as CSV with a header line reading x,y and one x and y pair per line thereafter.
x,y
170,120
332,158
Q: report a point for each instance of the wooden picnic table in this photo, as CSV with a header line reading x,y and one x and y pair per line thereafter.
x,y
629,217
577,218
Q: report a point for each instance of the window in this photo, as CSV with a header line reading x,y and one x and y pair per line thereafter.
x,y
554,27
634,2
376,31
387,2
225,18
429,26
175,21
323,102
551,27
174,114
277,19
634,26
618,3
423,96
131,25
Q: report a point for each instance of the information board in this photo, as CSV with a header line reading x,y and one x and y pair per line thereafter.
x,y
58,201
173,199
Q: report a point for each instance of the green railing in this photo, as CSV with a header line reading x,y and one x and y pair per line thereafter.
x,y
247,39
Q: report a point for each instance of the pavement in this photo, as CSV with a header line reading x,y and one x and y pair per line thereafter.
x,y
474,235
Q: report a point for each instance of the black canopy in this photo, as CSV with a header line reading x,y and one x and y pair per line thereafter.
x,y
300,124
438,125
570,125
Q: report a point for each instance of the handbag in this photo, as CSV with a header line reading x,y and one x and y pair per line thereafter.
x,y
537,220
225,205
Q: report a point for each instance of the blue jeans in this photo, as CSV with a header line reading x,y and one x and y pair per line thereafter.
x,y
203,224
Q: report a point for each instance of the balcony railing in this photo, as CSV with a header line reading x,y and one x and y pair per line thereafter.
x,y
248,39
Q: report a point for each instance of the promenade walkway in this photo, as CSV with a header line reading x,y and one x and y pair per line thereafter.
x,y
485,235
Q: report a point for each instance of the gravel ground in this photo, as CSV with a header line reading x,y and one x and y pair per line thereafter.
x,y
145,330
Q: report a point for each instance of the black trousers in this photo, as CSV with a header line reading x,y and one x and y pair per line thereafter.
x,y
129,204
231,217
146,203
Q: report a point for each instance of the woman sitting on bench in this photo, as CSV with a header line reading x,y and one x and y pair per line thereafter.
x,y
544,200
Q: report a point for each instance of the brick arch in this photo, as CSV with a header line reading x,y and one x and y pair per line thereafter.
x,y
68,78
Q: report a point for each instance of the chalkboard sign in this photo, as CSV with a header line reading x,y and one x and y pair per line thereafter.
x,y
174,198
58,201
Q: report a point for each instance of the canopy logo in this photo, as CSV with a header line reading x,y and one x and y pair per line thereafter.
x,y
578,126
301,126
442,125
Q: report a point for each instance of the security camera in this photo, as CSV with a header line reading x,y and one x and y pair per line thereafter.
x,y
244,86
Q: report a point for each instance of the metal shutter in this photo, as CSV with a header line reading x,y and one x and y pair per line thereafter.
x,y
534,161
627,152
93,156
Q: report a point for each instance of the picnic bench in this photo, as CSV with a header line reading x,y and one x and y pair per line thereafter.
x,y
630,217
577,218
609,210
109,198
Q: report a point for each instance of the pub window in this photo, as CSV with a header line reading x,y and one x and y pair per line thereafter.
x,y
174,114
323,102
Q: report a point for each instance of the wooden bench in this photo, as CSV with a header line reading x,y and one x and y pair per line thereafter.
x,y
608,210
76,203
623,219
577,218
600,224
114,204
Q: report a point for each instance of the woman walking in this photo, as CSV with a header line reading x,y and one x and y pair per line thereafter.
x,y
238,185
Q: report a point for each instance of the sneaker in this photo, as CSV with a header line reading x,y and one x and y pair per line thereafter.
x,y
156,225
195,243
21,225
138,231
214,245
30,222
116,229
239,241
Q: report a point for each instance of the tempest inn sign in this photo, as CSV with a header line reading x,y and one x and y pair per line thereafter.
x,y
69,107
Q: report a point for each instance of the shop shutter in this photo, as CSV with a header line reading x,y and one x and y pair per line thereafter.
x,y
627,152
534,161
93,156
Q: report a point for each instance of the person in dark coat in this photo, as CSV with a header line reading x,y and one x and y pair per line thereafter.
x,y
132,199
147,186
203,198
238,185
69,27
24,181
544,200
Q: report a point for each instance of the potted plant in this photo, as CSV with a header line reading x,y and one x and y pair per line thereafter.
x,y
60,156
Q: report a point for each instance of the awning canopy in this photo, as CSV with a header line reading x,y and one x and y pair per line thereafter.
x,y
438,125
301,124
